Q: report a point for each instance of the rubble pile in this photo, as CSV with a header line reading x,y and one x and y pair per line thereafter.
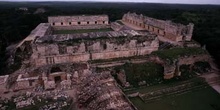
x,y
50,100
99,91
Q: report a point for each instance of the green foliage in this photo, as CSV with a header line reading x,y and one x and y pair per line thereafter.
x,y
148,72
187,17
201,67
186,72
174,53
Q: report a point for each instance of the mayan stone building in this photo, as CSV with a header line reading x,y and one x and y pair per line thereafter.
x,y
46,48
167,29
79,22
86,47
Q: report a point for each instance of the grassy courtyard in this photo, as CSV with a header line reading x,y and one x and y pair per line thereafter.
x,y
203,99
81,31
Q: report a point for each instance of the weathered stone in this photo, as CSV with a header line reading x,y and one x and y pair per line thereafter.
x,y
79,22
168,29
99,91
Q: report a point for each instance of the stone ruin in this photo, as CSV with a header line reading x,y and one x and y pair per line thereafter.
x,y
71,49
172,69
79,22
100,92
167,29
63,60
50,77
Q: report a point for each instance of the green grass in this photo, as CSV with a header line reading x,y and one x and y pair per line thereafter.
x,y
81,31
167,84
203,99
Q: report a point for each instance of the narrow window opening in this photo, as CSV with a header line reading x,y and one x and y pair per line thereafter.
x,y
105,46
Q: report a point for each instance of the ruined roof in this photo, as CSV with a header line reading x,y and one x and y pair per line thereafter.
x,y
86,18
92,35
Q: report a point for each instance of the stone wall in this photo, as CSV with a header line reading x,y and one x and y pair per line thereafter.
x,y
78,27
79,22
168,29
26,83
62,75
93,50
172,70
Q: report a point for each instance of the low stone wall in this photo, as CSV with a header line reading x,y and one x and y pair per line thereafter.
x,y
25,85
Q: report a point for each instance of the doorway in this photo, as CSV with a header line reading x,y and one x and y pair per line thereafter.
x,y
57,79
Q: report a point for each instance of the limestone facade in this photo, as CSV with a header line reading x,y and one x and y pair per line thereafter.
x,y
167,29
79,22
95,49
